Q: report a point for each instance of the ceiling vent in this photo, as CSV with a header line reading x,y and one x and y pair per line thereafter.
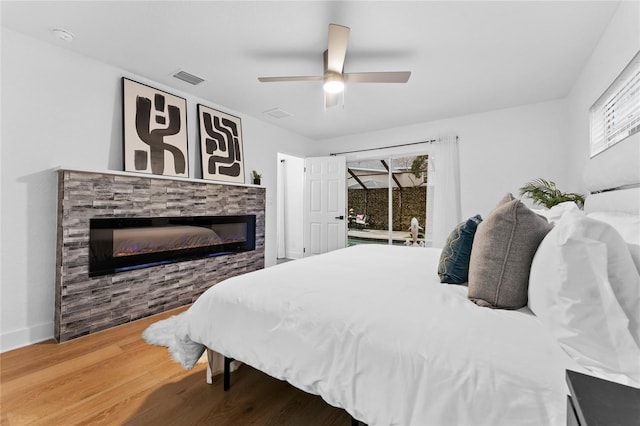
x,y
277,113
189,78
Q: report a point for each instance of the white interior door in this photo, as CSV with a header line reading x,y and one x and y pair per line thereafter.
x,y
325,226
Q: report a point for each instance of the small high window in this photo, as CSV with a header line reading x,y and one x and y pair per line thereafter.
x,y
616,114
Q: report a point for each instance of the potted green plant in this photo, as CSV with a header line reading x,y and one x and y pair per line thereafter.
x,y
545,192
256,177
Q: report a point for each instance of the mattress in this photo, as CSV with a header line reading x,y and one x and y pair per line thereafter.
x,y
370,329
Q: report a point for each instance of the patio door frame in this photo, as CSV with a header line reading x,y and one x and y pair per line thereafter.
x,y
389,155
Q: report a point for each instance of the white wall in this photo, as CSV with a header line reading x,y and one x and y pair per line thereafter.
x,y
499,150
62,109
619,43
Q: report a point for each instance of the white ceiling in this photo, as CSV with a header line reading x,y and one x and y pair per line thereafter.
x,y
465,57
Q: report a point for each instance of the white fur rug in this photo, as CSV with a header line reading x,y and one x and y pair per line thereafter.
x,y
172,333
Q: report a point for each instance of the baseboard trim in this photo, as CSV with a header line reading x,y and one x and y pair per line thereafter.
x,y
26,336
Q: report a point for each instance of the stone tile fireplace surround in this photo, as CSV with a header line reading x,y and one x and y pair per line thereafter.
x,y
83,304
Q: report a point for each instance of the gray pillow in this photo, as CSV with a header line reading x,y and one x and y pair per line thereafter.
x,y
501,255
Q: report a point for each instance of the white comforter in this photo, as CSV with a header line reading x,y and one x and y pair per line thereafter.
x,y
371,330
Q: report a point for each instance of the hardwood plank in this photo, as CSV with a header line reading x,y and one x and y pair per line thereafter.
x,y
86,381
20,361
114,377
53,375
113,405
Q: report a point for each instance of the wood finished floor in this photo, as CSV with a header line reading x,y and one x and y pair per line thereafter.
x,y
115,378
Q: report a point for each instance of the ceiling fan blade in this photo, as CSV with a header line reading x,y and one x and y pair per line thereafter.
x,y
292,78
337,47
331,99
377,77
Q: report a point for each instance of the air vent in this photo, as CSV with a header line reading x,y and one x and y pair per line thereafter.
x,y
277,113
189,78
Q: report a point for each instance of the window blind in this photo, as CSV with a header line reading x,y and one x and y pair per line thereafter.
x,y
616,114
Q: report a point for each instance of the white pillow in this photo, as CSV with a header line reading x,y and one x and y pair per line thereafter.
x,y
555,213
579,274
628,226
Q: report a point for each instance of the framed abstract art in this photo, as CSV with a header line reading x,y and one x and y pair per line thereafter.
x,y
155,131
220,145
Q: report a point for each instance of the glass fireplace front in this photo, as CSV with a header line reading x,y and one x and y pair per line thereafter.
x,y
122,244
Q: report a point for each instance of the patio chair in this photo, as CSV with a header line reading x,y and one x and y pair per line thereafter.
x,y
361,221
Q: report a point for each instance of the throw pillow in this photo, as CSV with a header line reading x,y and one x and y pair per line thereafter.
x,y
501,255
581,279
453,267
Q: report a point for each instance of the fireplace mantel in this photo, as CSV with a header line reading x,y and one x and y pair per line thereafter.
x,y
150,176
84,304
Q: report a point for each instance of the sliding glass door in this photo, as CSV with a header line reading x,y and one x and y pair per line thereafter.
x,y
367,202
384,196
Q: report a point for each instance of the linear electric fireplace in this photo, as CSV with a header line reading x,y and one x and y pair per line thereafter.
x,y
87,304
123,244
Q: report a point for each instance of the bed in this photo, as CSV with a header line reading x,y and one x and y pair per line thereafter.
x,y
371,329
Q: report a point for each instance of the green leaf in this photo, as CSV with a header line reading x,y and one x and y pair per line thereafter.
x,y
544,192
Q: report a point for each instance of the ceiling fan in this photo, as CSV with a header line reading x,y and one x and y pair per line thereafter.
x,y
334,77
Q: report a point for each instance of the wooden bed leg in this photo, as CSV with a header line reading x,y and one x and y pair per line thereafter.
x,y
227,372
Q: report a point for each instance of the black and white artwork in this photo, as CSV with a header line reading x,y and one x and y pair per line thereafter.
x,y
155,131
221,146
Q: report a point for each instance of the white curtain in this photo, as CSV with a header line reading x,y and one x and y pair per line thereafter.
x,y
444,165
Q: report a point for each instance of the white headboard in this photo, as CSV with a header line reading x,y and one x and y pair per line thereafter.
x,y
621,200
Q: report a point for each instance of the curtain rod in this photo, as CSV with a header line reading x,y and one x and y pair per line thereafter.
x,y
385,147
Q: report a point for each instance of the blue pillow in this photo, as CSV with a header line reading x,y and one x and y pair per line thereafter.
x,y
453,267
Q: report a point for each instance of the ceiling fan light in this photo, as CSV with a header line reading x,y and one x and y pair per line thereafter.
x,y
333,84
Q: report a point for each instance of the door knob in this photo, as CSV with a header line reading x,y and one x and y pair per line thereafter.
x,y
340,217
